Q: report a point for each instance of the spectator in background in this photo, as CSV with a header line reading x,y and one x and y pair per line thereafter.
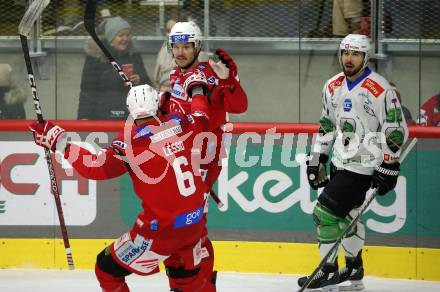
x,y
430,112
103,92
406,112
164,62
347,15
12,98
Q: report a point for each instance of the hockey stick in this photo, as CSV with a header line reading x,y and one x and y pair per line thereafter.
x,y
216,198
26,24
89,24
352,223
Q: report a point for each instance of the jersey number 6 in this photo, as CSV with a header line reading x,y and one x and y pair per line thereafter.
x,y
184,179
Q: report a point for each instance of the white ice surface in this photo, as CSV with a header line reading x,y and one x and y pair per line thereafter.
x,y
84,281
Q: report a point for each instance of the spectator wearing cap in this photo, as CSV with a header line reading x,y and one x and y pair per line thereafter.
x,y
12,98
103,92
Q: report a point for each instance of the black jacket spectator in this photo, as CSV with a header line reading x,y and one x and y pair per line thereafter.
x,y
103,93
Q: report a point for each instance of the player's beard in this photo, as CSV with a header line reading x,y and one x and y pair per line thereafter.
x,y
353,71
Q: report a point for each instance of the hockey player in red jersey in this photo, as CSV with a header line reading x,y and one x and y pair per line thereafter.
x,y
430,112
160,155
225,95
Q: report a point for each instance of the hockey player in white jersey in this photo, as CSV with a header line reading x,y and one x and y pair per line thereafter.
x,y
363,125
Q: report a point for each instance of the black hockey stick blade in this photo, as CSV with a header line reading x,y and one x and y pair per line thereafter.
x,y
89,24
31,15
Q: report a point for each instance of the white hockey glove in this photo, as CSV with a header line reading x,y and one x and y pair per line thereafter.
x,y
196,80
220,69
46,134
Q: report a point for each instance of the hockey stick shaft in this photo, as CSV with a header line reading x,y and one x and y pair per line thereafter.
x,y
89,24
53,182
352,223
216,198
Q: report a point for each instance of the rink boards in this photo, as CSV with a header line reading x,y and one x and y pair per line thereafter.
x,y
234,256
265,225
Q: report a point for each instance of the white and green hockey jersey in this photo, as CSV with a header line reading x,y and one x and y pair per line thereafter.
x,y
361,121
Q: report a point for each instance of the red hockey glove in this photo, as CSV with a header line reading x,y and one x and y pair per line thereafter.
x,y
46,134
227,60
195,79
385,177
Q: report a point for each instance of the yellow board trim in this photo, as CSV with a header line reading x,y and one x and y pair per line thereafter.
x,y
236,256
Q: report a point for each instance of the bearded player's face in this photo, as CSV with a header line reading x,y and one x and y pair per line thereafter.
x,y
352,62
184,54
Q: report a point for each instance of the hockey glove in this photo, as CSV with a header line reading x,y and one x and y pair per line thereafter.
x,y
46,134
227,60
316,170
385,177
195,83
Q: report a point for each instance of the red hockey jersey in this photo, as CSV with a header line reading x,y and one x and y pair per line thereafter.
x,y
162,163
226,95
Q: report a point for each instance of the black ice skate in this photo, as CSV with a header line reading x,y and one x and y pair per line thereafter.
x,y
352,273
326,279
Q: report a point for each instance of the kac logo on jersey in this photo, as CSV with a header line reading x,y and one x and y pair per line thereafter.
x,y
347,105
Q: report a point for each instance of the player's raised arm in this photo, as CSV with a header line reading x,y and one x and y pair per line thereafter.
x,y
229,91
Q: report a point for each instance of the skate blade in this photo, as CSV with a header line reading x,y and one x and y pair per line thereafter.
x,y
354,286
330,288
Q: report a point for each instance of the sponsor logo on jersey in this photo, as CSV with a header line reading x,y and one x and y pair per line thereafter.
x,y
154,225
178,91
177,118
211,80
335,83
367,104
189,218
190,118
372,86
347,105
166,133
202,67
173,148
130,251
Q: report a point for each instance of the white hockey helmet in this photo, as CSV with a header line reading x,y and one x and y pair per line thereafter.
x,y
142,101
358,43
185,32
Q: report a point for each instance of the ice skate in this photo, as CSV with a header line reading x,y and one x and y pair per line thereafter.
x,y
352,274
351,279
326,279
